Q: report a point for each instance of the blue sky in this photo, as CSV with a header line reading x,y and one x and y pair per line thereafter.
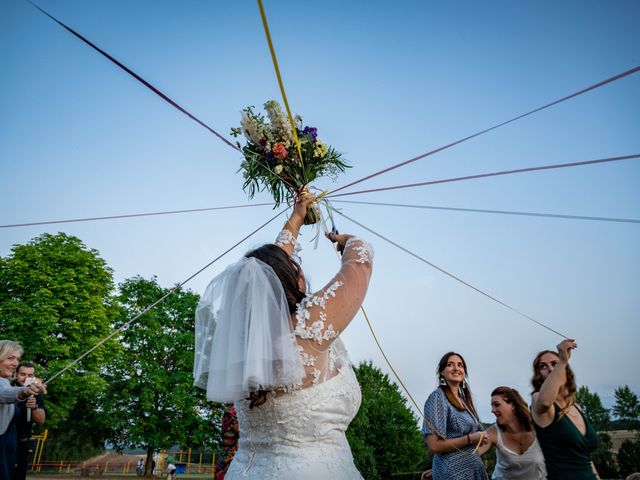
x,y
382,82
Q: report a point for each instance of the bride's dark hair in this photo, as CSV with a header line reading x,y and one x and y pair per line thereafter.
x,y
288,272
285,268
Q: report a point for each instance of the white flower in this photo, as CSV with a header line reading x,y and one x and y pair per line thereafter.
x,y
279,121
277,169
249,128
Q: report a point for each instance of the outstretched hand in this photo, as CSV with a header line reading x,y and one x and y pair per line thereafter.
x,y
339,238
35,388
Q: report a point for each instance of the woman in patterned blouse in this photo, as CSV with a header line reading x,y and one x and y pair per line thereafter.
x,y
451,425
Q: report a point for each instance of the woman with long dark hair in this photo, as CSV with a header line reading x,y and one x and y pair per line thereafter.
x,y
272,348
452,427
518,453
565,435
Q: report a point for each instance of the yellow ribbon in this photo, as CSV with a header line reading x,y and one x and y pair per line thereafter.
x,y
265,24
322,196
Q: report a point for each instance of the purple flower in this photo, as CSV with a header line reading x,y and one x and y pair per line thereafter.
x,y
313,131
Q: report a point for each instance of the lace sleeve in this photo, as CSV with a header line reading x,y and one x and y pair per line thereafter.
x,y
322,316
288,242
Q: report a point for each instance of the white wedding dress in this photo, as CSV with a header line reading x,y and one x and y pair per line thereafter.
x,y
299,434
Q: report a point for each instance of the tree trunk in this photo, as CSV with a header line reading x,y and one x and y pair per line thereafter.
x,y
148,464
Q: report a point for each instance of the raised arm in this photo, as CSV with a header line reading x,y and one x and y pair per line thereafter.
x,y
287,238
323,315
542,408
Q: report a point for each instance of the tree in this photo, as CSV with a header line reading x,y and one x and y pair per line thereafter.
x,y
56,300
593,409
629,457
384,436
603,457
627,407
151,399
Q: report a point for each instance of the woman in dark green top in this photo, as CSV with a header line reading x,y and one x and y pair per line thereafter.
x,y
566,437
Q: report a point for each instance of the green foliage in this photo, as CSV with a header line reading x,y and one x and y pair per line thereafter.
x,y
150,400
490,459
629,457
627,407
603,457
271,158
384,436
593,409
56,300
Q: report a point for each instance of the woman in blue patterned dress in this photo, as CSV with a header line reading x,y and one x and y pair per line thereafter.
x,y
452,428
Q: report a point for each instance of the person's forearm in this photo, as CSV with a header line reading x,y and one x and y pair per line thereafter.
x,y
294,223
551,388
448,445
10,394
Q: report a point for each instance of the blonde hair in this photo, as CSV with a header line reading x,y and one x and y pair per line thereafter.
x,y
7,347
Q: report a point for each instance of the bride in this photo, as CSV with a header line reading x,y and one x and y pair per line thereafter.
x,y
271,348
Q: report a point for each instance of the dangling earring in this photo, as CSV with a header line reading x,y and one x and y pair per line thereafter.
x,y
462,388
443,382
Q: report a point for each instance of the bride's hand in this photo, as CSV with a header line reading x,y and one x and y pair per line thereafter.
x,y
301,203
339,238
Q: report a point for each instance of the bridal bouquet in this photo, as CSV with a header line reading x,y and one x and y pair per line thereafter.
x,y
271,157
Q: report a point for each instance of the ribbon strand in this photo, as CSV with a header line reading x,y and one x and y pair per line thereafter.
x,y
451,275
481,132
491,174
500,212
160,300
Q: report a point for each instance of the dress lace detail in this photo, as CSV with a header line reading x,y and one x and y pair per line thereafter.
x,y
285,237
299,435
364,249
316,331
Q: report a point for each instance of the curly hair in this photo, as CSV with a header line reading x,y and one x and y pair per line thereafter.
x,y
569,386
520,408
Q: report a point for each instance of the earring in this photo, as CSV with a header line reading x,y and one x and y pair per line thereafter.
x,y
443,382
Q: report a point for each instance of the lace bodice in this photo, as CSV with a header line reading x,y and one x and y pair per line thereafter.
x,y
300,434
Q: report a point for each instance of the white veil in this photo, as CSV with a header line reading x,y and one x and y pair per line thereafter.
x,y
244,338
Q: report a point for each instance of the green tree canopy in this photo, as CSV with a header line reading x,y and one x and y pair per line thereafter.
x,y
384,436
627,407
151,400
56,300
592,408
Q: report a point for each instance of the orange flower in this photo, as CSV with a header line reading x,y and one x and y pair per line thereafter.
x,y
279,151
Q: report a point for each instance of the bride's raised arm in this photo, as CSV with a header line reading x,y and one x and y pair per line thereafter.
x,y
288,236
323,315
